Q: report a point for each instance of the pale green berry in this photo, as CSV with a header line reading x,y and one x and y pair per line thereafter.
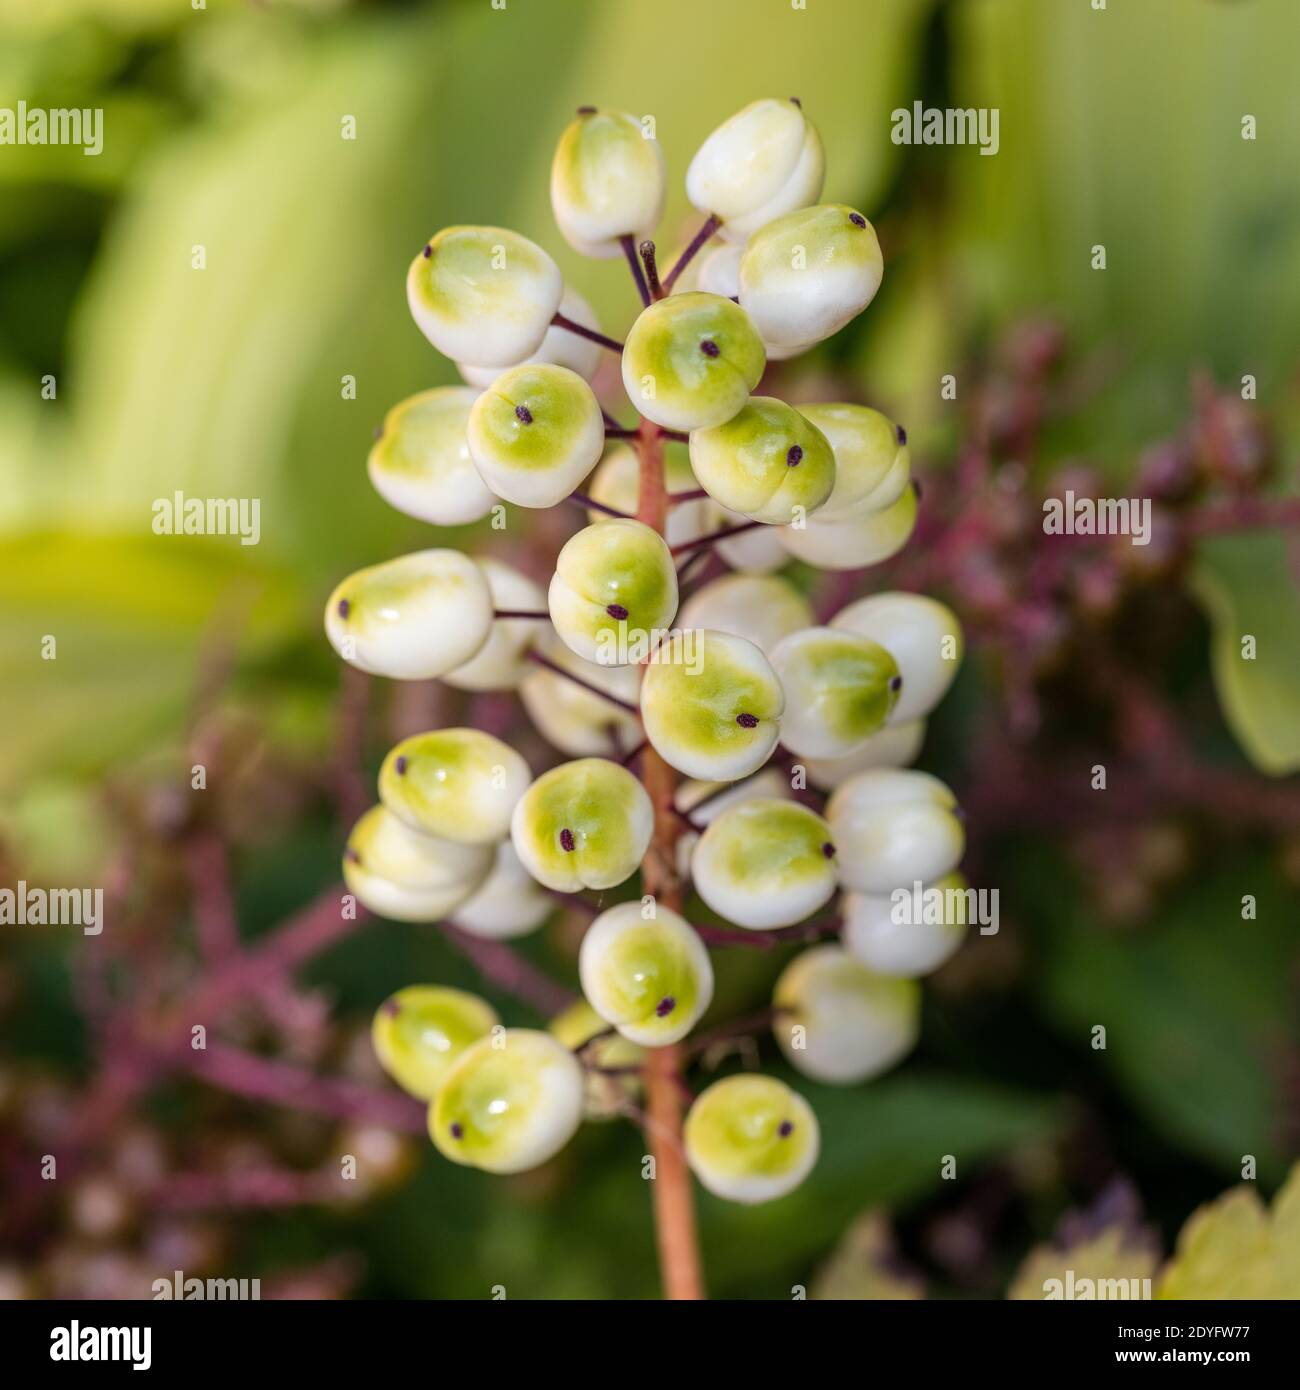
x,y
759,550
607,182
719,271
614,592
765,864
767,462
850,545
584,824
762,162
839,690
411,618
420,460
711,705
751,1139
906,932
616,484
535,434
691,361
560,348
873,464
895,745
483,295
760,608
805,275
650,977
509,1103
921,634
611,1083
841,1023
573,718
894,827
704,802
459,784
407,876
501,663
421,1030
510,903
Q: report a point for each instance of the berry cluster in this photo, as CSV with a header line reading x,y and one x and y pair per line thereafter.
x,y
738,688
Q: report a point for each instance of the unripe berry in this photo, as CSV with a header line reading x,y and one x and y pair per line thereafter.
x,y
894,940
483,295
651,979
691,361
412,618
765,864
711,705
704,802
501,663
767,462
509,1103
895,745
560,347
535,434
849,545
584,824
719,272
805,275
894,827
762,162
759,550
607,182
459,784
419,1032
510,903
839,689
611,1085
405,876
921,634
420,461
617,480
760,608
872,461
614,592
840,1022
574,719
751,1139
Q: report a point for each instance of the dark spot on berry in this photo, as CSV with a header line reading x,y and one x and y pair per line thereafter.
x,y
567,843
857,219
794,457
797,102
916,488
400,767
379,431
828,850
428,251
344,608
665,1006
586,111
901,433
786,1129
456,1131
709,348
523,414
392,1008
351,856
896,682
960,813
747,721
616,610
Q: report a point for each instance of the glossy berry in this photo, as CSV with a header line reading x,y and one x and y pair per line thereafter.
x,y
767,462
847,545
711,705
508,1103
406,876
762,162
584,824
704,802
412,618
535,434
561,347
751,1139
719,272
614,592
691,361
896,745
459,784
510,902
420,1031
921,634
760,608
872,461
607,182
839,689
571,716
420,461
501,663
907,933
483,295
894,827
652,979
765,864
841,1023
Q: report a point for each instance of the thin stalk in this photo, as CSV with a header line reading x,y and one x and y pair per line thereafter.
x,y
590,334
713,537
647,249
578,680
638,275
582,499
699,240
